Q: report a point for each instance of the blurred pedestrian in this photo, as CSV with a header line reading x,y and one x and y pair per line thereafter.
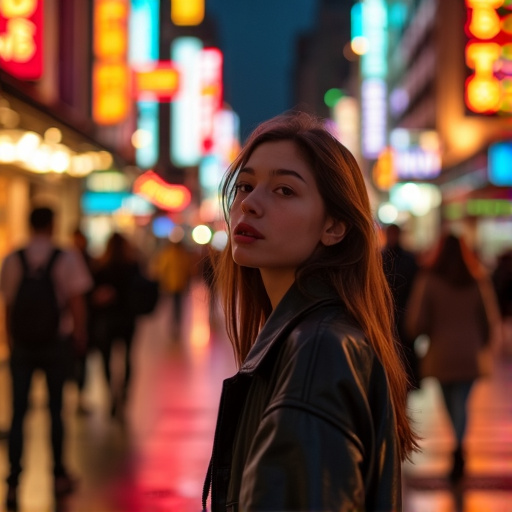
x,y
400,268
502,281
114,319
315,418
453,304
43,287
80,243
173,269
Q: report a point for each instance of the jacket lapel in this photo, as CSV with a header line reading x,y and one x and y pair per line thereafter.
x,y
294,307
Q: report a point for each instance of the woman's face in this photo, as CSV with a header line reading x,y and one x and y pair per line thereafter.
x,y
278,217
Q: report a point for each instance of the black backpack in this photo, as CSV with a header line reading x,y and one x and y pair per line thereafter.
x,y
35,312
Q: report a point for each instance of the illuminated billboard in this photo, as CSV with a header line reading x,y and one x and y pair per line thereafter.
x,y
143,51
488,57
373,24
111,74
21,38
185,147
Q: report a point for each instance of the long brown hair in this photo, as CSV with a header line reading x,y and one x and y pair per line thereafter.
x,y
353,265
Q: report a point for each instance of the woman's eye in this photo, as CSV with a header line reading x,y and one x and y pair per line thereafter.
x,y
285,191
242,187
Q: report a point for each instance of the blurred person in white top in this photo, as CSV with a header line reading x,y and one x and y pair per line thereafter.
x,y
71,280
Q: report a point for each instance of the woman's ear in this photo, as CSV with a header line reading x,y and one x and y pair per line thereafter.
x,y
334,232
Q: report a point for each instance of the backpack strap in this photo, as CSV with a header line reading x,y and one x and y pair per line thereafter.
x,y
51,260
49,265
23,259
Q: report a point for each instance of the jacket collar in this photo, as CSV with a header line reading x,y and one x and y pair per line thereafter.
x,y
293,307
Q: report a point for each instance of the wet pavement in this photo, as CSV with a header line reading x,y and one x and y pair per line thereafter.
x,y
154,457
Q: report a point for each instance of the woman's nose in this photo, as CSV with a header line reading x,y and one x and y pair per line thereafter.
x,y
251,205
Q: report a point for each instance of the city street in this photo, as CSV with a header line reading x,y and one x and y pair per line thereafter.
x,y
155,460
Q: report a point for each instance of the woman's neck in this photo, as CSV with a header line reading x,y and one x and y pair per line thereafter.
x,y
277,283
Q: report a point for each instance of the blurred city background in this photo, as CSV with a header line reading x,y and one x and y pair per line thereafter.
x,y
122,115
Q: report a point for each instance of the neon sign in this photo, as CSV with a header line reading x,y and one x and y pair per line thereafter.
x,y
488,53
499,158
21,38
185,147
373,116
144,37
187,12
166,196
111,75
159,81
211,94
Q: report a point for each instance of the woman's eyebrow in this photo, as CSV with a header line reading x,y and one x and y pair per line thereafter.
x,y
276,172
246,170
287,172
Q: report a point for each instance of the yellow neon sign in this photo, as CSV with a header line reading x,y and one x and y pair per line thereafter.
x,y
485,22
162,82
488,51
111,93
110,19
187,12
384,175
111,76
17,43
17,8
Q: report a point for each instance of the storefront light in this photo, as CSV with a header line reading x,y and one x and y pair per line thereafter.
x,y
60,161
27,144
39,160
40,155
53,135
7,150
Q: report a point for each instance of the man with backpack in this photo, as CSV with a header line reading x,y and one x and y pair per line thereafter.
x,y
43,288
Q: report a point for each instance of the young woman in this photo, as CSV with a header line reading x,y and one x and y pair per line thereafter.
x,y
315,418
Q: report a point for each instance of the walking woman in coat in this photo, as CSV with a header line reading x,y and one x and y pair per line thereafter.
x,y
315,418
453,305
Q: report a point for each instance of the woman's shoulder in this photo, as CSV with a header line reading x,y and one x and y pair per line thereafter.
x,y
329,333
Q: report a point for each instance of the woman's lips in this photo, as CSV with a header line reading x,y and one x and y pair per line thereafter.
x,y
246,234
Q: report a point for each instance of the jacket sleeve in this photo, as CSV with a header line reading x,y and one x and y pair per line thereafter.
x,y
315,448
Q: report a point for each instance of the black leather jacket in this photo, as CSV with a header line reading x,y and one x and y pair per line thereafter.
x,y
306,424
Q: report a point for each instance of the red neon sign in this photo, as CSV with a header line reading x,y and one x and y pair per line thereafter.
x,y
160,82
21,38
166,196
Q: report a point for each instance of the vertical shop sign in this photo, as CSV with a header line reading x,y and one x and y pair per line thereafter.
x,y
373,73
111,74
488,55
21,38
144,35
211,94
185,144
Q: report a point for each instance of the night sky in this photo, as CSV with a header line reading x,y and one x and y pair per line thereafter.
x,y
258,38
